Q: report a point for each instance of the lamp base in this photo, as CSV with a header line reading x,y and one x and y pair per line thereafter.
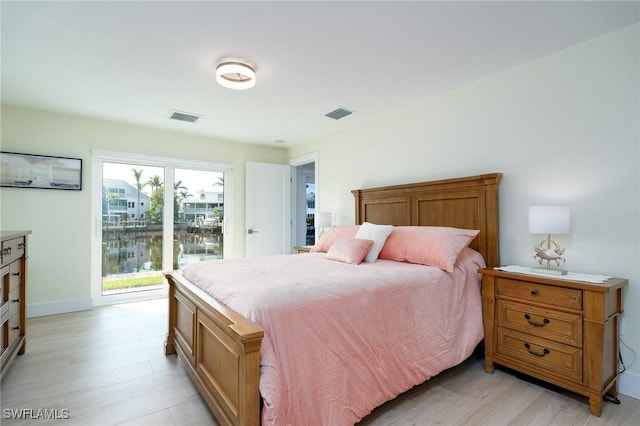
x,y
548,271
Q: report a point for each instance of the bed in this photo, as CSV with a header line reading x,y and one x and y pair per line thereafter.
x,y
231,359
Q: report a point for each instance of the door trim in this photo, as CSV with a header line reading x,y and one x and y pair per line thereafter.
x,y
295,162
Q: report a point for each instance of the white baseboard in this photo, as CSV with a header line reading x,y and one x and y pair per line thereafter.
x,y
629,384
62,307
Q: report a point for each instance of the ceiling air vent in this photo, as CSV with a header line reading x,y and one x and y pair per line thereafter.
x,y
339,113
184,116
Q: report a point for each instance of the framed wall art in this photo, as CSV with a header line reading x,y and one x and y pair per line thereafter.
x,y
40,171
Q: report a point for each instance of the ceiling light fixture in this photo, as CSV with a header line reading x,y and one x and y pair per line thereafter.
x,y
235,75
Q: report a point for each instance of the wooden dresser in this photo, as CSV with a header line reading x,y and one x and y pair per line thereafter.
x,y
13,254
560,331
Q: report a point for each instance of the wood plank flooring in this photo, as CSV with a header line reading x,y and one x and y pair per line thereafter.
x,y
106,366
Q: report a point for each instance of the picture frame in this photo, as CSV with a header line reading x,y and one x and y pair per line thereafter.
x,y
19,170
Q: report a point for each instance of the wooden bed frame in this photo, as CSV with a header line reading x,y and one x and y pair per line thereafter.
x,y
221,349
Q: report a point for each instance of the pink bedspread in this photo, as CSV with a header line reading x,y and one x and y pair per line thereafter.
x,y
341,339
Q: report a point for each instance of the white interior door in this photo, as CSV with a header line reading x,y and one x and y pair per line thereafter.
x,y
268,210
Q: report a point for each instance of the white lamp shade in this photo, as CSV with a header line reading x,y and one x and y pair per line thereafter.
x,y
323,220
549,219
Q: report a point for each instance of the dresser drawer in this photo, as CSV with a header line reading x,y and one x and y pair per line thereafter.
x,y
14,301
14,329
546,355
540,293
12,250
547,323
4,312
15,273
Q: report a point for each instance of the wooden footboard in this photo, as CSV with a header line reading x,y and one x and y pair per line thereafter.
x,y
220,350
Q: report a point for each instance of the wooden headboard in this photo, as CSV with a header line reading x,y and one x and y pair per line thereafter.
x,y
467,202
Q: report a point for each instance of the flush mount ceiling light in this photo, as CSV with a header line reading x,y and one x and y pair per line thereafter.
x,y
235,75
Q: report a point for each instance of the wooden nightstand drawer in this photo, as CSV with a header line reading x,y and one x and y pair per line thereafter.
x,y
547,323
540,293
551,357
575,348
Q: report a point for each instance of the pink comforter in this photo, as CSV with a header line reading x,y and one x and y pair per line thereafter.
x,y
341,339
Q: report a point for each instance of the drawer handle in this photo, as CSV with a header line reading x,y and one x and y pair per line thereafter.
x,y
536,324
17,327
15,274
7,251
21,246
545,351
534,292
15,300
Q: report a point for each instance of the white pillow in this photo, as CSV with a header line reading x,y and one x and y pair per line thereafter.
x,y
377,233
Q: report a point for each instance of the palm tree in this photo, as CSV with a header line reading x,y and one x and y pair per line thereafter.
x,y
155,183
220,181
179,191
178,185
155,201
137,175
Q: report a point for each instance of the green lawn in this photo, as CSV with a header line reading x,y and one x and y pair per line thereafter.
x,y
126,283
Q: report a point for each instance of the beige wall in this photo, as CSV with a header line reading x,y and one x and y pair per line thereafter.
x,y
563,129
60,246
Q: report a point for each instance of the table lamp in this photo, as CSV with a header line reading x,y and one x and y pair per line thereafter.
x,y
322,220
549,220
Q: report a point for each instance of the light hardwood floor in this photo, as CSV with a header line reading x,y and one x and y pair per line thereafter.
x,y
106,366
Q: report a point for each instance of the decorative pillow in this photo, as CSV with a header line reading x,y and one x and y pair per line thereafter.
x,y
349,250
427,245
325,242
377,233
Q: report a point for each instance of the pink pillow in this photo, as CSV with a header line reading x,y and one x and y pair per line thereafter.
x,y
427,245
338,231
349,250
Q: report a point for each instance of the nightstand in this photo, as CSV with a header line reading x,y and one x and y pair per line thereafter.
x,y
561,331
302,249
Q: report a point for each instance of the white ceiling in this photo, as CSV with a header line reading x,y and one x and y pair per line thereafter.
x,y
133,62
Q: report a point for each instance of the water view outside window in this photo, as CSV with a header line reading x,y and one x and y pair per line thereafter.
x,y
198,216
132,217
132,223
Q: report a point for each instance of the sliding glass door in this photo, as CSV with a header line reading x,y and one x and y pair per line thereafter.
x,y
132,227
198,216
153,214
